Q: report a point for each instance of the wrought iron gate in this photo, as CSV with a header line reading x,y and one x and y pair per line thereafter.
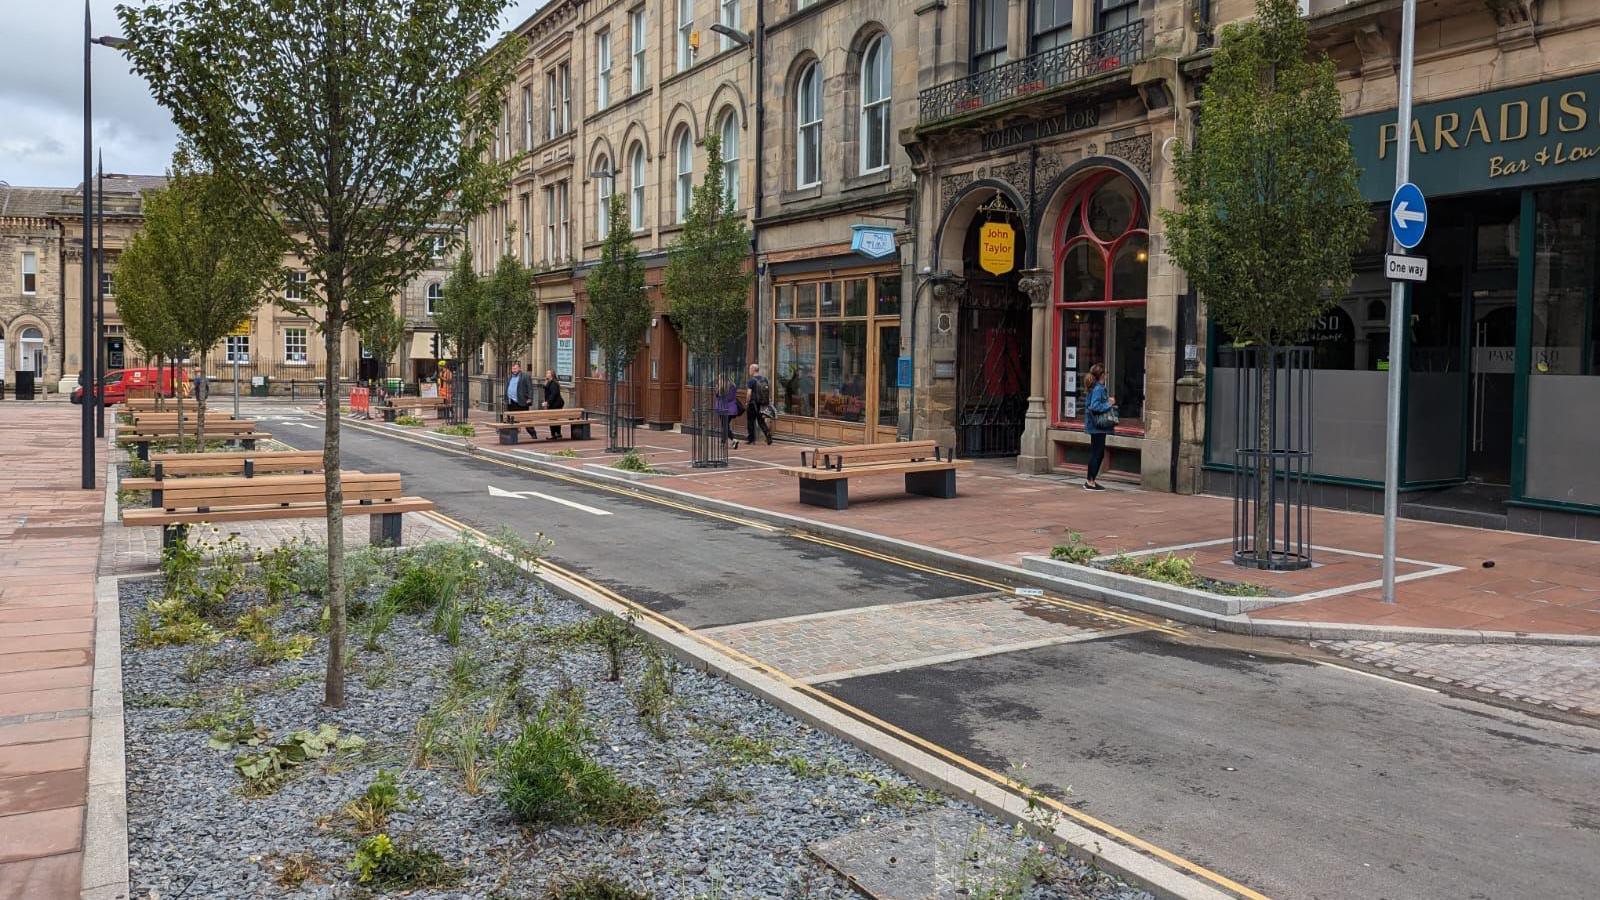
x,y
992,349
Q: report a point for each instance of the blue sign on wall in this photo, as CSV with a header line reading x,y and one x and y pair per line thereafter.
x,y
903,373
872,241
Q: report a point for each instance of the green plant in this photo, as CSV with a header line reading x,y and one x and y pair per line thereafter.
x,y
379,617
633,461
200,662
466,751
460,429
138,468
893,792
381,862
232,719
547,779
448,616
409,421
1179,570
566,453
255,626
265,771
652,696
172,622
465,667
594,886
370,812
737,749
127,497
277,566
295,869
718,794
419,588
1075,550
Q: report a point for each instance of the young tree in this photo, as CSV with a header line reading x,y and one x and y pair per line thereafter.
x,y
141,304
708,277
618,308
1268,212
460,316
511,313
382,336
359,124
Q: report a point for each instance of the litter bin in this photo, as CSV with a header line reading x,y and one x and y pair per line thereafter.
x,y
24,384
395,386
259,385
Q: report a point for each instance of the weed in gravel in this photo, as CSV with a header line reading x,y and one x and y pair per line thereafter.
x,y
1075,550
200,662
801,767
277,566
265,771
652,696
376,675
146,700
462,676
289,682
370,812
448,617
899,794
546,779
379,617
594,886
187,580
171,623
736,748
138,468
128,498
612,634
466,753
234,713
266,648
294,870
382,863
719,794
428,739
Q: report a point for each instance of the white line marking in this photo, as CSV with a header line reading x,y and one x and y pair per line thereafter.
x,y
848,611
1415,687
963,655
594,511
1368,585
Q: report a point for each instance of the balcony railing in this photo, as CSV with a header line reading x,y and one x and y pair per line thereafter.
x,y
1104,52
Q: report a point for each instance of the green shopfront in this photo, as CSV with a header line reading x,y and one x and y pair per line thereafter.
x,y
1501,386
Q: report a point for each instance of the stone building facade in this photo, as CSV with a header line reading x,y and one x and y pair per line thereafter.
x,y
32,257
615,97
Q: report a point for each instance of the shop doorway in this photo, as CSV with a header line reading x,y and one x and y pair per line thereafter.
x,y
993,349
1492,338
885,414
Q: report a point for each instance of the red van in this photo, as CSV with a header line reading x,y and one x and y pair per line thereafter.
x,y
118,380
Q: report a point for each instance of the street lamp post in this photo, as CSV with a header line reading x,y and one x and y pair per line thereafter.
x,y
99,299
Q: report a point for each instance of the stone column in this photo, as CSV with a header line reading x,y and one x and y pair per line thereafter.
x,y
1034,459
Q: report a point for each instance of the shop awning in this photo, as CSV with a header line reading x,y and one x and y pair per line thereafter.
x,y
421,345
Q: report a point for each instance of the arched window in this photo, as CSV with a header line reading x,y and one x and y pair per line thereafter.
x,y
728,130
604,186
683,187
876,73
434,295
808,127
1102,261
636,187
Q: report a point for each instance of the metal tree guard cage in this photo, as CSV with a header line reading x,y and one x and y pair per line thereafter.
x,y
619,414
707,374
1272,459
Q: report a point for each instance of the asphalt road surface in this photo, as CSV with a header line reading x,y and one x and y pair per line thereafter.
x,y
1296,779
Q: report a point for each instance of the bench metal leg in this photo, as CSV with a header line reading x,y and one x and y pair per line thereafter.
x,y
142,450
831,494
385,530
173,535
580,431
939,483
510,435
250,444
388,413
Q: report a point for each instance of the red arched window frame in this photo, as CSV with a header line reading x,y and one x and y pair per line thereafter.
x,y
1106,247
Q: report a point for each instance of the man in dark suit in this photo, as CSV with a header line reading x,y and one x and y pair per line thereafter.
x,y
553,400
519,394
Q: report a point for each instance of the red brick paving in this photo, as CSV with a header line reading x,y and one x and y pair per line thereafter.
x,y
49,547
1537,584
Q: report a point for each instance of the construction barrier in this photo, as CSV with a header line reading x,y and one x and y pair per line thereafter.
x,y
360,401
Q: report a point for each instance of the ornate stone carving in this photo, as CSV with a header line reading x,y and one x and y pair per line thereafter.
x,y
950,291
950,186
1048,167
1014,174
1135,150
1036,284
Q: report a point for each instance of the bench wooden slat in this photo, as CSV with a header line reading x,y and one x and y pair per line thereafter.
x,y
137,517
927,465
223,491
156,436
233,463
541,417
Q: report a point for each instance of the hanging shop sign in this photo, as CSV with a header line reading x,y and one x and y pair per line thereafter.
x,y
997,248
564,347
1039,129
872,241
1534,134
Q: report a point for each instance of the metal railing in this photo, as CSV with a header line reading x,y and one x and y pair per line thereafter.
x,y
1104,52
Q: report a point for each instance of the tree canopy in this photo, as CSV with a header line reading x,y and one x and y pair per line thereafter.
x,y
618,308
382,336
511,311
1268,211
359,125
707,282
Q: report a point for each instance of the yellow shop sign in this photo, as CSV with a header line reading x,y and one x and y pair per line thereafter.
x,y
997,248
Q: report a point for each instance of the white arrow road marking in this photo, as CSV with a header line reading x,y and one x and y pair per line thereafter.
x,y
593,511
1405,213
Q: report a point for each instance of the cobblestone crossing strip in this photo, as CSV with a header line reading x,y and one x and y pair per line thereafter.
x,y
1560,678
853,642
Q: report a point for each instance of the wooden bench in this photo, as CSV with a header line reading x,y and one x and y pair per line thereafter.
x,y
248,464
170,417
141,436
186,501
575,420
397,405
825,472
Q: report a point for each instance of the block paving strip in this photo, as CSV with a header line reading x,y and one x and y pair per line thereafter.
x,y
867,640
1566,679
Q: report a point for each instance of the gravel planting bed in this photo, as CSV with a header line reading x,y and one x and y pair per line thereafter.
x,y
743,787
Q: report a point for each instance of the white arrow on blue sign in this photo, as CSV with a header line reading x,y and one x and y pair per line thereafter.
x,y
1408,215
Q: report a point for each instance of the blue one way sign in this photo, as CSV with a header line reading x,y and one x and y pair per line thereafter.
x,y
1408,215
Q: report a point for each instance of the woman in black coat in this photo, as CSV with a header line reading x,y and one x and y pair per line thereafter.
x,y
552,399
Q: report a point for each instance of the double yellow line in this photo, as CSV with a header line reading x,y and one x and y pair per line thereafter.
x,y
861,715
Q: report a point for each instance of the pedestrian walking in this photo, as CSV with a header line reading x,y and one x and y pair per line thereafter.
x,y
519,394
726,404
1099,420
758,406
553,400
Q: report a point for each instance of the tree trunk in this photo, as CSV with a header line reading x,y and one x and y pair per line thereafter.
x,y
200,411
177,394
1266,374
333,497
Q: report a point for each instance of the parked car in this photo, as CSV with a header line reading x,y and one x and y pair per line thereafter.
x,y
117,382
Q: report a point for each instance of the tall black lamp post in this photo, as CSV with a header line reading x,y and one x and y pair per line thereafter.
x,y
86,326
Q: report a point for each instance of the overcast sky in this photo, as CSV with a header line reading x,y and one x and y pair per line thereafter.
x,y
41,96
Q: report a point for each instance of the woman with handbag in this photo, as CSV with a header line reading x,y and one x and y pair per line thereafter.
x,y
726,404
1099,420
